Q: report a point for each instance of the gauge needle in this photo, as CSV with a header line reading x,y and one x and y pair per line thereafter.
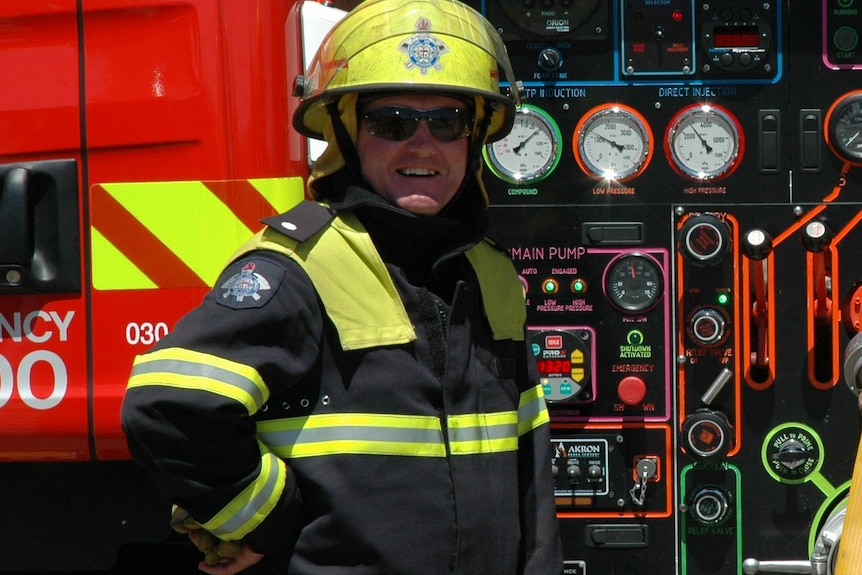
x,y
702,141
632,267
611,142
517,149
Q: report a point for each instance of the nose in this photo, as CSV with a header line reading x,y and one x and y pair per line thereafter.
x,y
423,132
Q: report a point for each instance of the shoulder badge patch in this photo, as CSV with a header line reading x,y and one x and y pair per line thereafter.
x,y
250,283
423,49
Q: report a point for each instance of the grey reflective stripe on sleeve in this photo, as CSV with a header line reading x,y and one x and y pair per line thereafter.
x,y
176,367
250,507
356,433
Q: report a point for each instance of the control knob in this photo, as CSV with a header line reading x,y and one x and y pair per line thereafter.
x,y
704,239
707,434
708,326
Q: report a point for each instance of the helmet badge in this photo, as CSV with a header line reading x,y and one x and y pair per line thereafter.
x,y
423,49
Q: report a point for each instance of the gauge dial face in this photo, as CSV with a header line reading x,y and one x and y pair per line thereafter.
x,y
704,142
530,152
612,142
844,127
633,282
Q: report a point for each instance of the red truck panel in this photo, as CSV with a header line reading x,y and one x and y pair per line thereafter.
x,y
128,92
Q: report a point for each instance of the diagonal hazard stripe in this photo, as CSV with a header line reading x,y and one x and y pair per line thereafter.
x,y
110,265
281,193
245,201
251,200
178,234
129,236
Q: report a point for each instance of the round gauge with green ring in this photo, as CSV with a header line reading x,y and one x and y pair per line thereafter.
x,y
633,282
704,142
530,152
844,127
613,142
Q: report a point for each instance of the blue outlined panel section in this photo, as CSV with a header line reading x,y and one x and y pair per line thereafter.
x,y
641,42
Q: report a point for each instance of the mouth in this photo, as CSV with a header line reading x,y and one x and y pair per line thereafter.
x,y
417,172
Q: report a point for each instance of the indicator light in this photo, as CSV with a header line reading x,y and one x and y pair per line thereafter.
x,y
723,298
677,16
635,337
550,286
579,286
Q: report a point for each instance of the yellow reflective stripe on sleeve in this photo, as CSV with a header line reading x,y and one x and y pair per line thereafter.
x,y
176,367
483,433
251,507
532,411
354,433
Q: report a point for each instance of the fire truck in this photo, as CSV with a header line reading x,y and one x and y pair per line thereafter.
x,y
142,141
681,194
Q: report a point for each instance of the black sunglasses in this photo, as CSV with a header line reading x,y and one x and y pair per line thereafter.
x,y
398,123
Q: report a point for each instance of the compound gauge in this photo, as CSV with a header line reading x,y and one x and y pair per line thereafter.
x,y
612,142
633,282
844,127
530,152
704,142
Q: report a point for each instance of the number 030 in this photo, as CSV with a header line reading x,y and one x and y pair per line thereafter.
x,y
145,333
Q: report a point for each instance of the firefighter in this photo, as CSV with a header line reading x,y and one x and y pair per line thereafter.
x,y
355,394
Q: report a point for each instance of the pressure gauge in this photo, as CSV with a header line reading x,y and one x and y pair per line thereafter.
x,y
633,282
530,152
704,142
612,142
844,127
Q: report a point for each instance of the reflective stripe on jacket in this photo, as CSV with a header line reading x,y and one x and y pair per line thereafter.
x,y
411,425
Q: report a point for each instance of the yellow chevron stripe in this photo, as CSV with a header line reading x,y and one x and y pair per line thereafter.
x,y
281,193
112,270
173,212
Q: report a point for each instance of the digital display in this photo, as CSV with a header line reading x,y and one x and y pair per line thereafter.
x,y
554,366
735,37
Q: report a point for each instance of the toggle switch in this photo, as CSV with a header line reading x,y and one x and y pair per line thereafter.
x,y
817,237
757,245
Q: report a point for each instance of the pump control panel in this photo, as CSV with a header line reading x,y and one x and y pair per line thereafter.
x,y
682,197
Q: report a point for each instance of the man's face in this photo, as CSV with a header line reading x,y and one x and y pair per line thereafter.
x,y
420,174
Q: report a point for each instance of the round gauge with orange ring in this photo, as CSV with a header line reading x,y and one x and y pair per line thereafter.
x,y
704,142
844,127
612,142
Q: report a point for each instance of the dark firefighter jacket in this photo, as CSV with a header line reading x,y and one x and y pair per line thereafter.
x,y
319,401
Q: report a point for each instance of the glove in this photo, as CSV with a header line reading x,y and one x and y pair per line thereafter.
x,y
215,550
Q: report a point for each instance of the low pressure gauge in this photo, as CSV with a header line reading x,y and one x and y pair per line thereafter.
x,y
612,142
844,127
530,152
633,282
704,142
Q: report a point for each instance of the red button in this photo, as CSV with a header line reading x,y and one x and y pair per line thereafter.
x,y
632,390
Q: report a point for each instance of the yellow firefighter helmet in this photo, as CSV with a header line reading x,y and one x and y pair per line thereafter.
x,y
437,46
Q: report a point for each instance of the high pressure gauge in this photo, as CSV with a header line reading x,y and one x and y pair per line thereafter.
x,y
612,142
704,142
844,127
530,152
